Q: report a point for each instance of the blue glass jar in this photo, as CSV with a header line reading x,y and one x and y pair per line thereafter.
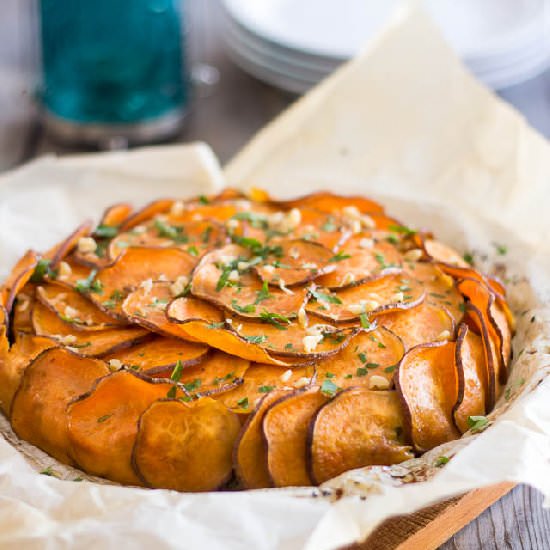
x,y
113,70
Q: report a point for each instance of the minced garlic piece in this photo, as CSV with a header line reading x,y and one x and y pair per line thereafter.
x,y
377,382
285,377
302,317
147,285
399,296
177,208
233,276
294,253
139,229
65,271
302,382
413,255
162,277
311,341
23,302
348,279
444,335
355,226
367,221
309,265
86,245
232,223
115,363
363,306
351,212
269,269
179,285
70,312
68,339
227,259
242,266
366,243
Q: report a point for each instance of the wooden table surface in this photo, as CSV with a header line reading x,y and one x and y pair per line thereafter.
x,y
226,116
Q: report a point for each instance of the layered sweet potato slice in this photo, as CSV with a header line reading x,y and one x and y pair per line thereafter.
x,y
49,383
17,279
427,382
185,446
357,428
103,423
285,428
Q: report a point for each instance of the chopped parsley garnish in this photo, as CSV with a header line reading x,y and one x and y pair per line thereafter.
x,y
278,321
365,323
462,307
104,417
392,239
203,199
339,257
290,345
106,231
329,388
250,308
266,389
171,393
226,269
362,357
477,423
402,229
170,231
259,339
243,403
329,375
262,294
501,249
391,368
361,371
89,284
329,225
348,376
468,258
48,472
205,236
42,270
215,325
323,297
259,221
380,259
193,250
441,461
195,385
177,371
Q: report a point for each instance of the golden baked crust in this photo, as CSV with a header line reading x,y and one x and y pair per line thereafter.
x,y
236,338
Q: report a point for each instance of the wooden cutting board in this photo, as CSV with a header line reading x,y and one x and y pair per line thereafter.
x,y
430,527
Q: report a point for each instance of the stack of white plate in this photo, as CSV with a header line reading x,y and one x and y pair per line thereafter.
x,y
293,44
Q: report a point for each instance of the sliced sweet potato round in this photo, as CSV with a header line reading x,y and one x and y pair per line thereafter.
x,y
249,455
427,382
146,213
290,339
103,424
216,372
17,279
49,383
73,308
475,318
356,428
90,343
325,201
185,446
361,259
60,251
421,324
369,360
187,308
13,363
499,320
260,379
217,279
297,261
136,265
440,289
285,429
389,293
325,228
472,377
480,296
440,252
77,276
115,215
21,313
160,355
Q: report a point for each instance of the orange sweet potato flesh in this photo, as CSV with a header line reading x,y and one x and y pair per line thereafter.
x,y
384,291
90,343
243,300
259,379
368,354
323,228
423,323
73,308
21,311
472,377
499,320
16,280
79,272
301,261
356,428
103,424
439,288
132,268
148,308
116,214
148,211
49,383
285,428
362,265
329,202
185,447
160,355
187,308
428,385
249,457
13,363
475,318
286,339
